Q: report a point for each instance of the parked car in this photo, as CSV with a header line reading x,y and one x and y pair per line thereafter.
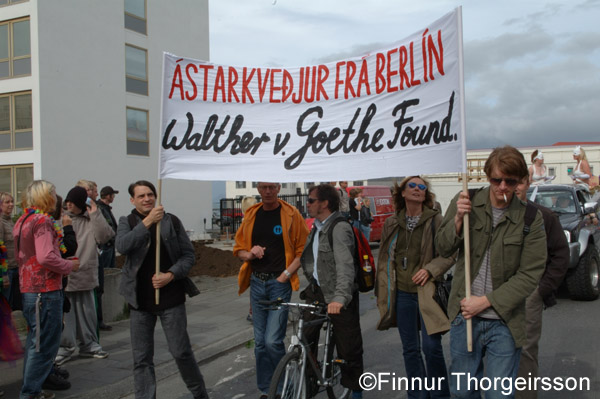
x,y
574,207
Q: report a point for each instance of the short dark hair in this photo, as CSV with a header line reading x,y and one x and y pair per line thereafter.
x,y
508,160
326,192
145,183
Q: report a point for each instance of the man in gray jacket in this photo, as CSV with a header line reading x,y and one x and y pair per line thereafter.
x,y
136,239
81,323
331,273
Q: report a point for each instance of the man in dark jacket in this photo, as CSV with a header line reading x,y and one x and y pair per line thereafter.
x,y
557,265
136,239
106,257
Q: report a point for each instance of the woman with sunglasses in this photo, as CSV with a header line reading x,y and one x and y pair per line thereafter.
x,y
406,266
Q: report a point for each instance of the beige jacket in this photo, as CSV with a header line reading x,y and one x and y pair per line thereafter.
x,y
434,318
90,231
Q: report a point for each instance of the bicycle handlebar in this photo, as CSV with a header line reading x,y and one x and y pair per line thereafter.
x,y
279,302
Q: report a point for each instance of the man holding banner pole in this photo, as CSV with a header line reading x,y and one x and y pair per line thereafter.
x,y
508,258
137,239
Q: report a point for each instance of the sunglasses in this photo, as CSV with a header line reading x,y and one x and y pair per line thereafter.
x,y
509,182
311,200
422,187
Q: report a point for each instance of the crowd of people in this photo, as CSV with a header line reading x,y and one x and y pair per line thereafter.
x,y
56,257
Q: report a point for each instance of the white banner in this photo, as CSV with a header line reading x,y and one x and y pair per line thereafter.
x,y
392,112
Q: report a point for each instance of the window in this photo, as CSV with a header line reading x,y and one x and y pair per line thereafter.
x,y
254,184
284,185
137,132
136,72
135,15
551,171
7,2
14,180
15,49
240,184
15,122
359,183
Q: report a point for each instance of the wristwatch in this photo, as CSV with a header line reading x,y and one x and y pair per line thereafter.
x,y
288,274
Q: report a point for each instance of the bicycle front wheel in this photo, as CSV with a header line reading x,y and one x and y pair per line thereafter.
x,y
334,373
288,380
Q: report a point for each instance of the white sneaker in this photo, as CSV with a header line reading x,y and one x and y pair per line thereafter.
x,y
61,359
99,354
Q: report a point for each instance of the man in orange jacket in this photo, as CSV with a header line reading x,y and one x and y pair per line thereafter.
x,y
270,242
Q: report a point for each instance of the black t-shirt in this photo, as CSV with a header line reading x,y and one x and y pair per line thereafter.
x,y
353,211
172,294
267,232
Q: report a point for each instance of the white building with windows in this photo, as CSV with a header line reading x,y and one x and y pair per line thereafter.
x,y
80,95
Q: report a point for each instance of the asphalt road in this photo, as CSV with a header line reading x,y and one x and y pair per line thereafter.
x,y
569,348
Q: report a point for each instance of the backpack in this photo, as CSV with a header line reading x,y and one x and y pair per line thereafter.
x,y
361,248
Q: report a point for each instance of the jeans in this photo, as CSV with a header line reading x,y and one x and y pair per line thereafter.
x,y
409,319
366,230
37,365
174,325
492,339
269,327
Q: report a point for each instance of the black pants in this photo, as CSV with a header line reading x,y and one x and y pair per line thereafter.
x,y
346,336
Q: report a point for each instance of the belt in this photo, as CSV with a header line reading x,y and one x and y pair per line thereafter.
x,y
266,276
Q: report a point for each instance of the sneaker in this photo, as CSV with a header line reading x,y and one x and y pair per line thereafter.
x,y
105,327
61,372
61,359
55,382
99,354
44,395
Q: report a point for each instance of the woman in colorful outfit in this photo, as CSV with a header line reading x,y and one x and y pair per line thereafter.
x,y
12,294
406,267
38,244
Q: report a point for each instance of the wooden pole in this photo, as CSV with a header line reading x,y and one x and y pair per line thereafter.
x,y
157,271
467,249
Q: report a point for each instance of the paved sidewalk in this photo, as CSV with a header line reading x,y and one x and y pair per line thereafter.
x,y
216,323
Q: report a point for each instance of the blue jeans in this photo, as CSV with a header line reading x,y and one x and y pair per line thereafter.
x,y
37,365
174,325
492,339
269,327
366,230
408,319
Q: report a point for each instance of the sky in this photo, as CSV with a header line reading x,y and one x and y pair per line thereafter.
x,y
532,68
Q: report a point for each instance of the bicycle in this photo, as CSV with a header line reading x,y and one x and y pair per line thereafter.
x,y
291,379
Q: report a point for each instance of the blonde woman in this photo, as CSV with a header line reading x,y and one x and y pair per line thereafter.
x,y
582,172
38,245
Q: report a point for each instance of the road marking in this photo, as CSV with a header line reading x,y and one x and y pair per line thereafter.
x,y
231,377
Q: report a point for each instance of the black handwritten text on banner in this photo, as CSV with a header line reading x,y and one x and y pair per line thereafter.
x,y
392,112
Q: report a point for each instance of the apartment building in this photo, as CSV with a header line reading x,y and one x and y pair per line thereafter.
x,y
80,94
